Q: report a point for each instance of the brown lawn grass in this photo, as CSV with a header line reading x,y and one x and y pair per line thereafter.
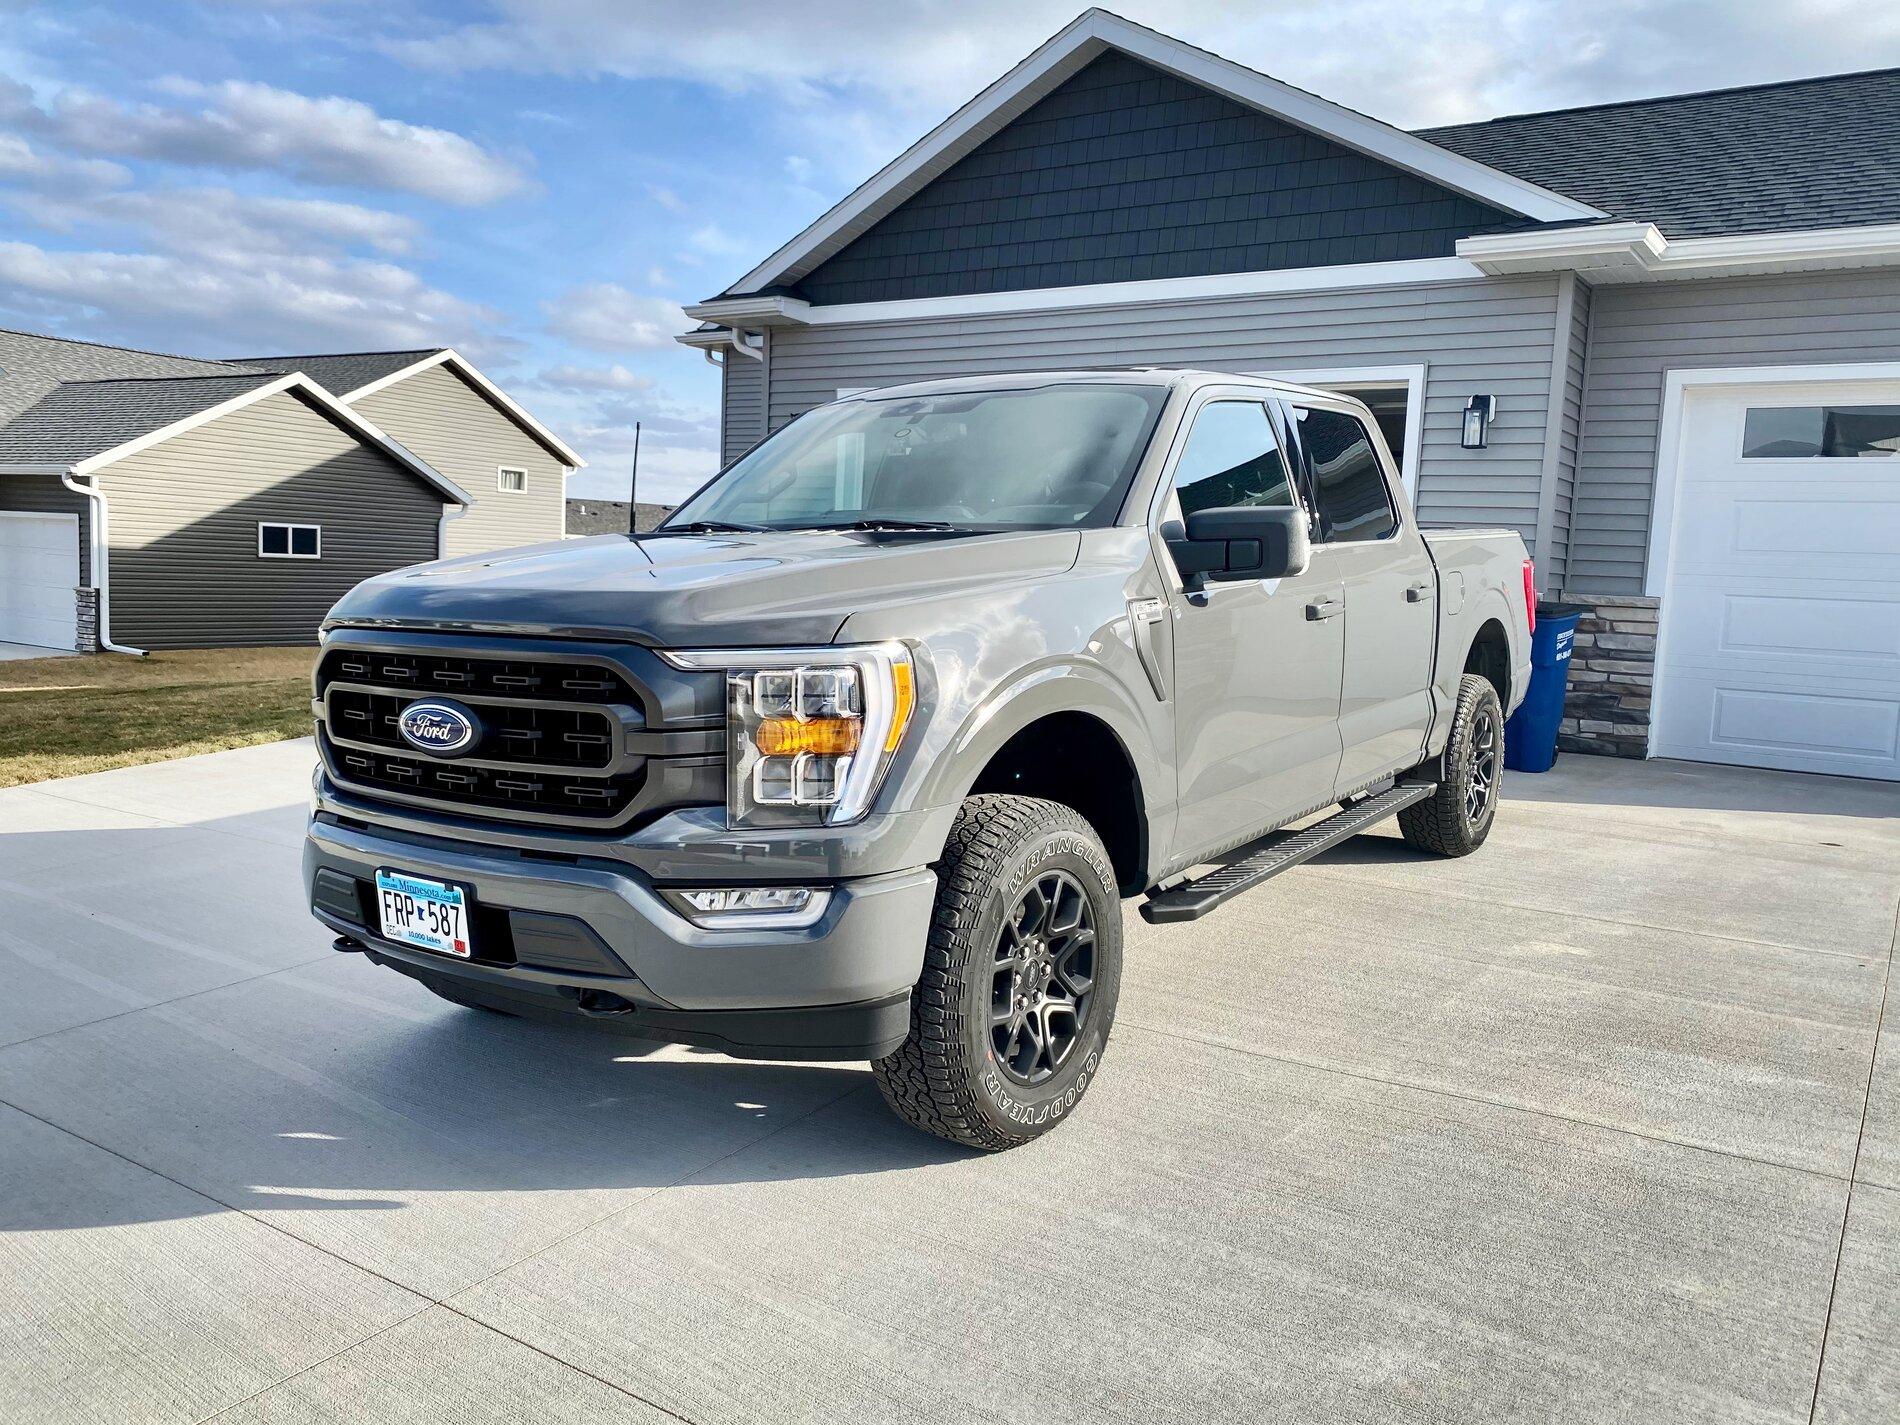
x,y
63,716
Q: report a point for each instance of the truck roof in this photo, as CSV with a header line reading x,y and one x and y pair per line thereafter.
x,y
1170,376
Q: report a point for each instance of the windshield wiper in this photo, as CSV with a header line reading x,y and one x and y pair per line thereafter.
x,y
880,522
712,527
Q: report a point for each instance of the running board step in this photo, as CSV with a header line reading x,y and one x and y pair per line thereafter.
x,y
1281,851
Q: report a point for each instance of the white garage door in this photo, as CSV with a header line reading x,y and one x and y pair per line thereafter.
x,y
1781,611
39,569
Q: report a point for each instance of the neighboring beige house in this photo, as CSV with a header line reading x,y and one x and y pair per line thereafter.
x,y
444,410
151,501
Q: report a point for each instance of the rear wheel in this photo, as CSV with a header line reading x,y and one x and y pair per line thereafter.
x,y
1021,974
1455,820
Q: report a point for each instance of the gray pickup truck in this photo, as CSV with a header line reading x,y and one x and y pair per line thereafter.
x,y
857,755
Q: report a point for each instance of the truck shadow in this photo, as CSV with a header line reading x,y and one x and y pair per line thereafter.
x,y
244,1060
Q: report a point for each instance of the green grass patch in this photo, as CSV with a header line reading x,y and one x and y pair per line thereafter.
x,y
63,716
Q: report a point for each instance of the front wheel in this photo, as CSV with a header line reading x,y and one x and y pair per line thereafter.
x,y
1455,819
1021,974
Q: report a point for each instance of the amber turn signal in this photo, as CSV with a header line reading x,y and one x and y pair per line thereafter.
x,y
822,736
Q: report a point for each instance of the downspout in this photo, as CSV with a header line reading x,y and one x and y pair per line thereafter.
x,y
451,513
101,567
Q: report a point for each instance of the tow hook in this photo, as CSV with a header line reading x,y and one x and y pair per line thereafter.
x,y
348,946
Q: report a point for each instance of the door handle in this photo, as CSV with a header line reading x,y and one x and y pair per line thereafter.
x,y
1418,593
1326,606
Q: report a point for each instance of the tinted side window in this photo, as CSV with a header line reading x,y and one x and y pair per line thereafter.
x,y
1348,486
1231,459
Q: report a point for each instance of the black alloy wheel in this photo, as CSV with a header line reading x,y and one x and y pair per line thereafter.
x,y
1043,979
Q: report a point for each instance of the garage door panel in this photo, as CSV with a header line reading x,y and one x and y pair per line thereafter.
x,y
1781,616
39,569
1797,729
1739,533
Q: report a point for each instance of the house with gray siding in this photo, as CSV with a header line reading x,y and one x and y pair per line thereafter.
x,y
151,501
1681,317
441,408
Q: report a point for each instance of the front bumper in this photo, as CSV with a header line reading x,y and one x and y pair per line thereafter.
x,y
558,935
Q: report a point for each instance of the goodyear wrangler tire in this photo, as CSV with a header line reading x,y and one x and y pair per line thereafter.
x,y
1455,819
1021,974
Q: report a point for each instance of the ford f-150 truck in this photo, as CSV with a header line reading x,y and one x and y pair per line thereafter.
x,y
857,755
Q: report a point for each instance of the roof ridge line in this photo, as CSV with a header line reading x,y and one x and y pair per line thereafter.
x,y
110,346
1658,99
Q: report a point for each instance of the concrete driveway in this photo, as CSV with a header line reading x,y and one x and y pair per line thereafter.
x,y
1597,1124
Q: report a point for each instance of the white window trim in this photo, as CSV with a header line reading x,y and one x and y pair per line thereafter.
x,y
263,525
1410,379
1678,385
501,483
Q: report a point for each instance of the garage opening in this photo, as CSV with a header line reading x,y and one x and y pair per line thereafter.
x,y
39,569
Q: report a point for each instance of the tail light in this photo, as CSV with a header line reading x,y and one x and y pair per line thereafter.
x,y
1530,596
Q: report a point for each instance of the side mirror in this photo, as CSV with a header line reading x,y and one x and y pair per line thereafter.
x,y
1240,542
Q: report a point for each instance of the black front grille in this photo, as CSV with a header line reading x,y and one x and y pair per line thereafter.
x,y
496,788
423,673
511,732
552,733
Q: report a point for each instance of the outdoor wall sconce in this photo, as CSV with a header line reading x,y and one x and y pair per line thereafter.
x,y
1480,411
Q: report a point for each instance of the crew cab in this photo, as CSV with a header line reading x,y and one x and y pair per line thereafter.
x,y
857,756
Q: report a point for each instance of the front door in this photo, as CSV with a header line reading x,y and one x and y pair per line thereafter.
x,y
1257,663
1362,543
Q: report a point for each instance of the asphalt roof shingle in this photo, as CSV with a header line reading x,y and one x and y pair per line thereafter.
x,y
340,373
81,419
1809,153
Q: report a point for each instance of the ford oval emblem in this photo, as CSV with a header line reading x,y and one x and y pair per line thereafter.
x,y
439,727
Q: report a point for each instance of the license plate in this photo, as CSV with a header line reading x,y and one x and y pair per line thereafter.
x,y
426,914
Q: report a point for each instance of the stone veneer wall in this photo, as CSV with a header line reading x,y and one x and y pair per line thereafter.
x,y
86,612
1612,674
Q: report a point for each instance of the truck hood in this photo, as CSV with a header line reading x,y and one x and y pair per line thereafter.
x,y
698,591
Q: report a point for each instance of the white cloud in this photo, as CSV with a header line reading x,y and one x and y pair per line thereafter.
x,y
216,220
275,301
667,198
595,378
237,125
20,162
851,60
607,317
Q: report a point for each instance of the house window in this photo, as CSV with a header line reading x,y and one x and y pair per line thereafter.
x,y
511,482
289,541
1794,432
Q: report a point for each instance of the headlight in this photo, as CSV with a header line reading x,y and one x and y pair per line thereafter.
x,y
810,732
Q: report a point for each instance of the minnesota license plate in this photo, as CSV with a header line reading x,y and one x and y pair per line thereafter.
x,y
426,914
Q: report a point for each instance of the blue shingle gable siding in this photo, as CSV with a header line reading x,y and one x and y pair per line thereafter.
x,y
1125,173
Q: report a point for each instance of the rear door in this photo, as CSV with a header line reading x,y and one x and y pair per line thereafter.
x,y
1364,542
1257,662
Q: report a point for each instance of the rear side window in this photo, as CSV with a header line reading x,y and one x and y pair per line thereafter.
x,y
1231,458
1349,492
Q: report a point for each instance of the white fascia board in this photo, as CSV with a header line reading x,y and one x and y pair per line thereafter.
x,y
464,368
753,311
1164,290
1083,40
295,381
1638,252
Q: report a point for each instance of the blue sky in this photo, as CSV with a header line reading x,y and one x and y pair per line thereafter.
x,y
541,185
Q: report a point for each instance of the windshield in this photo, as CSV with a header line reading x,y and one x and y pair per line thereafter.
x,y
1054,457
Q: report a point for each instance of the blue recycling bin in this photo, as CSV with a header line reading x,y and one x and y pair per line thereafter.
x,y
1530,737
